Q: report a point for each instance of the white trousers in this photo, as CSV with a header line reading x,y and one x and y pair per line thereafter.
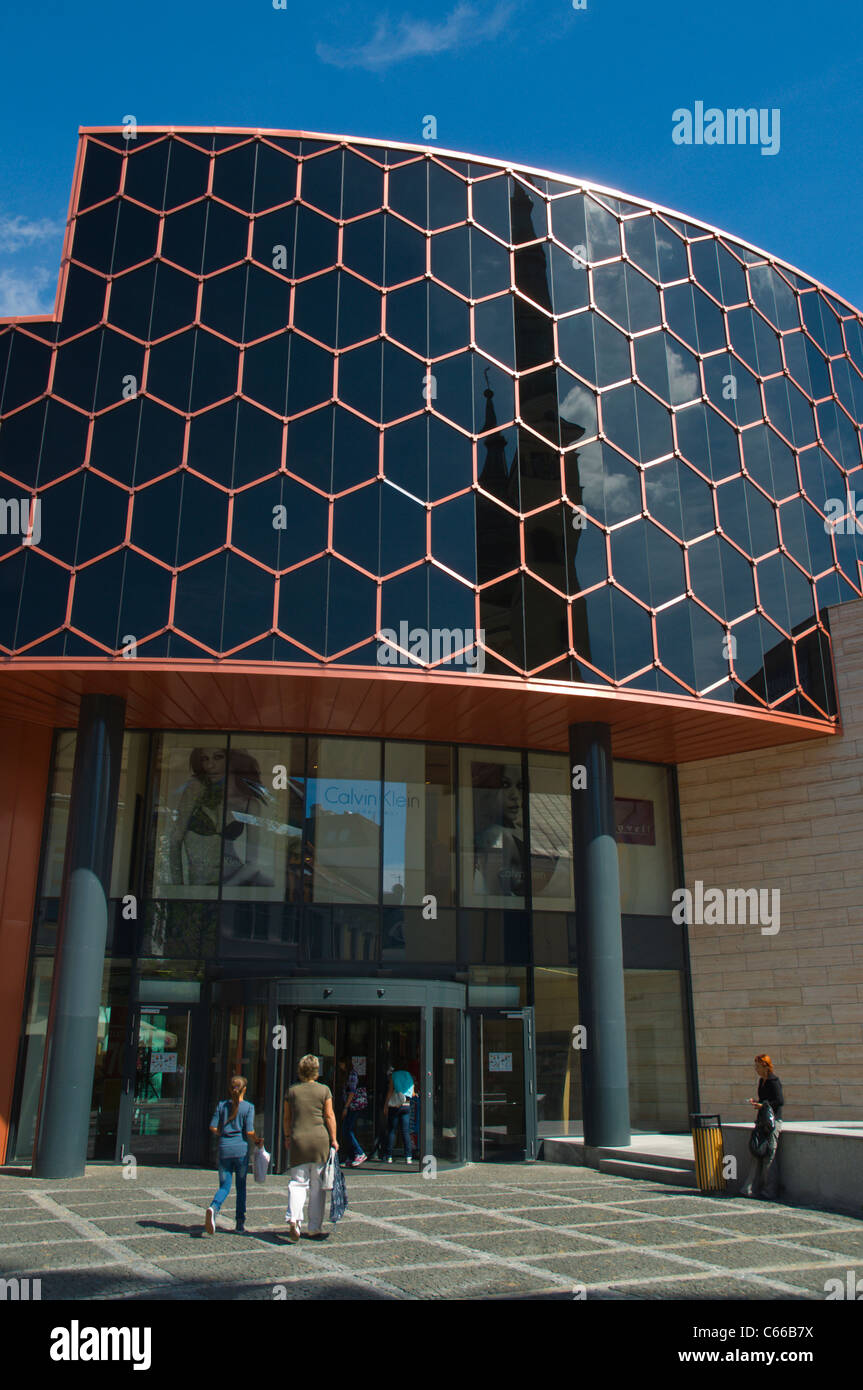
x,y
306,1182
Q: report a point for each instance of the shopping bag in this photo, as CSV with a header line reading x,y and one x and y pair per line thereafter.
x,y
329,1171
339,1194
260,1164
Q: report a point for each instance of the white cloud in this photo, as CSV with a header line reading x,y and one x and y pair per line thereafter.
x,y
17,231
26,293
419,38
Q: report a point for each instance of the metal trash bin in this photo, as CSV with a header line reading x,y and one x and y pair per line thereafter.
x,y
707,1143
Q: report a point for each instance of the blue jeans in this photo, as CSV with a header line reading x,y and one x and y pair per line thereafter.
x,y
350,1138
228,1168
400,1117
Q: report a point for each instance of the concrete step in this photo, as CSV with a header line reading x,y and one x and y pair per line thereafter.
x,y
650,1156
652,1172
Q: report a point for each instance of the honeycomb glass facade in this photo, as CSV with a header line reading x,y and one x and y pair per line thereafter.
x,y
361,472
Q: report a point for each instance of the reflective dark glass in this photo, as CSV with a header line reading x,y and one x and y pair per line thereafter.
x,y
447,197
647,562
490,205
732,388
695,318
539,471
545,551
527,213
20,440
146,172
265,372
620,639
351,600
717,271
501,611
755,341
453,532
822,323
321,182
636,423
769,461
101,176
606,484
708,442
666,367
588,560
594,348
790,412
43,596
26,371
188,173
627,297
546,627
774,297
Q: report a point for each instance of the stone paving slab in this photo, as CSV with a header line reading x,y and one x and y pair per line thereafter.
x,y
501,1231
751,1254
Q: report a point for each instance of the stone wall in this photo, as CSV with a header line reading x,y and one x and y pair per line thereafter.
x,y
791,818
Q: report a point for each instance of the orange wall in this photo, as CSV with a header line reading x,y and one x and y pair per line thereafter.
x,y
25,756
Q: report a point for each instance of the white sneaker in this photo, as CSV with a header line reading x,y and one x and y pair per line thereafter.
x,y
389,1158
210,1221
408,1160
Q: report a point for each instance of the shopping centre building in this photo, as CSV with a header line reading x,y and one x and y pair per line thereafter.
x,y
414,570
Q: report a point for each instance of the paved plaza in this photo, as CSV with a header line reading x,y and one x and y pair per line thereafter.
x,y
520,1231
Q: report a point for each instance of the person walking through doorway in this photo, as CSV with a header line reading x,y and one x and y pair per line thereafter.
x,y
354,1101
398,1110
762,1179
309,1127
234,1122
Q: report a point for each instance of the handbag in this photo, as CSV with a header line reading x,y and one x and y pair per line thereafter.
x,y
260,1164
329,1173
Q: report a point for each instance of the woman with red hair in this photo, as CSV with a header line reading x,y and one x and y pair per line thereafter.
x,y
763,1177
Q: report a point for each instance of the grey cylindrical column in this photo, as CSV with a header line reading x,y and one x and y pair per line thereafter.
x,y
76,992
604,1073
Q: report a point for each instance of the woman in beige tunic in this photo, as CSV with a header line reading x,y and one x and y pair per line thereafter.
x,y
310,1131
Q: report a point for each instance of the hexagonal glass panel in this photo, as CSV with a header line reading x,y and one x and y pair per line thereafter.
x,y
754,341
594,348
602,481
721,577
620,637
694,318
769,461
656,249
774,297
627,297
746,516
647,562
679,500
667,368
732,388
585,228
707,441
718,272
636,423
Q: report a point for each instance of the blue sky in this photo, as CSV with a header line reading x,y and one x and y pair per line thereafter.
x,y
587,93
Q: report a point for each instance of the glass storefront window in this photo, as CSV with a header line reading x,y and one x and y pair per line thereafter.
x,y
558,1063
550,833
419,825
642,802
33,1051
190,849
58,813
343,819
657,1051
130,811
494,861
